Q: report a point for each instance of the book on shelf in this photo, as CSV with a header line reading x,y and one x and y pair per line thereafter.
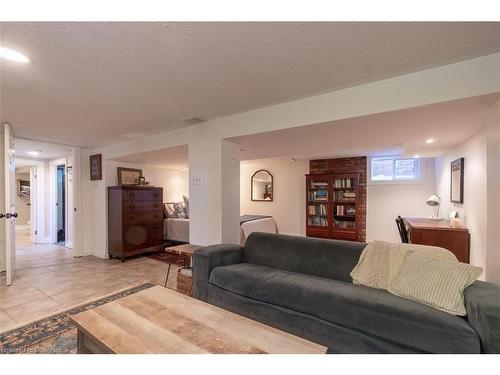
x,y
342,195
345,224
344,183
341,210
318,195
319,184
317,221
319,209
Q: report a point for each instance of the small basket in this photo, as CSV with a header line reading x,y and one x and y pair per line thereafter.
x,y
185,281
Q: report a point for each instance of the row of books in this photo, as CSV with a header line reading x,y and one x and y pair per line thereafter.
x,y
345,224
344,183
318,195
345,210
342,195
317,220
319,209
319,184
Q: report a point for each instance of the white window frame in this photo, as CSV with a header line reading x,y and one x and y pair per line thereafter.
x,y
420,179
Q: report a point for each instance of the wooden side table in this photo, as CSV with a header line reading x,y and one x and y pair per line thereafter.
x,y
186,249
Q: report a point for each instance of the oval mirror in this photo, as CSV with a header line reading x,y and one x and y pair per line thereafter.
x,y
262,186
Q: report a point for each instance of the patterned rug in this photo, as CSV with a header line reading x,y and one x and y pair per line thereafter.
x,y
55,334
164,256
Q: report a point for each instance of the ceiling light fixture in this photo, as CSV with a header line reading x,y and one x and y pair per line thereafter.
x,y
242,150
34,153
416,156
10,54
430,140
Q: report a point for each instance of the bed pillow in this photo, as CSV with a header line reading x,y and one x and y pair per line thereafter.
x,y
169,210
180,210
186,203
437,282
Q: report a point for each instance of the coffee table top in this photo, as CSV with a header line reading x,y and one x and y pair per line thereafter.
x,y
187,249
159,320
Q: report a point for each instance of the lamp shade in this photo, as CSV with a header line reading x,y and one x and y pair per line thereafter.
x,y
433,200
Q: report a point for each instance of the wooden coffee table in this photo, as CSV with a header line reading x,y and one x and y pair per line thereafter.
x,y
184,249
160,320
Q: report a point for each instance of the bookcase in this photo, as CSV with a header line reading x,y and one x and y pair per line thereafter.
x,y
332,206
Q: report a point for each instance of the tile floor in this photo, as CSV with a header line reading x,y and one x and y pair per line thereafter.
x,y
49,279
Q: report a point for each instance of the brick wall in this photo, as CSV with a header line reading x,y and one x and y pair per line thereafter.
x,y
347,165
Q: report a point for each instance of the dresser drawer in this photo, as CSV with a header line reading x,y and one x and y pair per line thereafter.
x,y
139,236
142,195
130,218
143,207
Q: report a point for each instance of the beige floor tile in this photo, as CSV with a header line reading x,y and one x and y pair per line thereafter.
x,y
21,297
6,322
33,310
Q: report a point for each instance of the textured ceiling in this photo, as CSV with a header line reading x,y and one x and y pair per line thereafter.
x,y
173,158
88,84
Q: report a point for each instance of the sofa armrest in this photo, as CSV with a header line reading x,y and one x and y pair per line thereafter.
x,y
482,302
206,259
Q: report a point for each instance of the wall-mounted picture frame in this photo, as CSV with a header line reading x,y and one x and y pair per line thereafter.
x,y
129,176
95,167
457,181
23,189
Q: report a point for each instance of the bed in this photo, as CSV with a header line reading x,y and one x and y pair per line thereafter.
x,y
177,230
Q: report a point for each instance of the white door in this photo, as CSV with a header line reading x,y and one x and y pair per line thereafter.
x,y
9,209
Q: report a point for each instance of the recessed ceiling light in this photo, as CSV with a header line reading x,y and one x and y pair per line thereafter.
x,y
430,140
242,150
34,153
12,55
416,156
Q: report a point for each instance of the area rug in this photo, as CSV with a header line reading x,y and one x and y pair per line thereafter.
x,y
55,334
164,256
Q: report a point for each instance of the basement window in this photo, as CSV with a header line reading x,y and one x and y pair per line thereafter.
x,y
392,168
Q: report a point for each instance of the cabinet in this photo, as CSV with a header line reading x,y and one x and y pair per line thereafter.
x,y
332,206
135,220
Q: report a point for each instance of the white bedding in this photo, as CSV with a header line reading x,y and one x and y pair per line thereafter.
x,y
178,229
267,225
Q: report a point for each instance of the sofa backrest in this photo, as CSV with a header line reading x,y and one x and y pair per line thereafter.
x,y
331,259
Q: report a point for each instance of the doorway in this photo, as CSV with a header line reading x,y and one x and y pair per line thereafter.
x,y
61,203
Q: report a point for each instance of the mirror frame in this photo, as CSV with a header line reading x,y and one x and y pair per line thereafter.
x,y
272,187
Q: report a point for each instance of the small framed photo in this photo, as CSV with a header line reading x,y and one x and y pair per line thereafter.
x,y
457,181
129,176
95,167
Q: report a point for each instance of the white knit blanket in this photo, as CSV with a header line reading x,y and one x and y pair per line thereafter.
x,y
380,262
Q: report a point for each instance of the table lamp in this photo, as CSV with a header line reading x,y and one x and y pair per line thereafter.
x,y
434,200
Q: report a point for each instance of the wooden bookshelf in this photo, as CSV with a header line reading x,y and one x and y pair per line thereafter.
x,y
332,202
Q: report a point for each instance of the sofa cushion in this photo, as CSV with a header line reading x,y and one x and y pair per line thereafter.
x,y
332,259
371,311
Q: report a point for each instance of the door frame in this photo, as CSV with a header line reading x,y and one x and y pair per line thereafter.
x,y
37,225
9,186
53,197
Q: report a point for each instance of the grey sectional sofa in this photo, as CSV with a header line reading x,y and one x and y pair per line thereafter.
x,y
302,286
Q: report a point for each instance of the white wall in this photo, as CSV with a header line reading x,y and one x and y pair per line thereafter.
x,y
385,201
473,212
175,183
493,181
289,202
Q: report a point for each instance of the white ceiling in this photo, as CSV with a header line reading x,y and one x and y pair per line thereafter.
x,y
47,150
89,84
173,158
397,132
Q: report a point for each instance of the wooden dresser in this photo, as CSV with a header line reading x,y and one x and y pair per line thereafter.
x,y
439,233
135,220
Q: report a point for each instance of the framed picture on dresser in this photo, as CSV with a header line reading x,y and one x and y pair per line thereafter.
x,y
129,176
457,181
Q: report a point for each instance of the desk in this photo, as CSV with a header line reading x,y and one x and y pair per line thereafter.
x,y
439,233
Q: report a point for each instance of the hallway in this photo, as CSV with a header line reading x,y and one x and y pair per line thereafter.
x,y
49,279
